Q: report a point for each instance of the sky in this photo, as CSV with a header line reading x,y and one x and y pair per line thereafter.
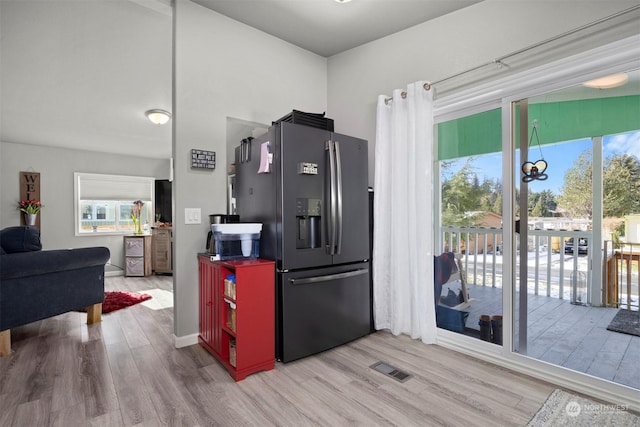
x,y
559,158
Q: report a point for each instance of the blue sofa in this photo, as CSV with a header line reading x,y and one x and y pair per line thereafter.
x,y
36,284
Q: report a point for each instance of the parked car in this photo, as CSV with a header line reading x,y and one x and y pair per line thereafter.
x,y
583,245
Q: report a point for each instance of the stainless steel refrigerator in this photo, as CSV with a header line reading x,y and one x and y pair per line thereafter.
x,y
308,187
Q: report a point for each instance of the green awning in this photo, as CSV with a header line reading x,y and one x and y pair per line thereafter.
x,y
557,122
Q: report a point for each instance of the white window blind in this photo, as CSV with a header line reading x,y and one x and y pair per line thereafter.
x,y
113,187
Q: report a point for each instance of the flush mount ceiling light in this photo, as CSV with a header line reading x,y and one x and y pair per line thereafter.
x,y
157,116
343,1
608,82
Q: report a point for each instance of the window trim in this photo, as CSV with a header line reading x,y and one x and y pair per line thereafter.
x,y
615,57
149,182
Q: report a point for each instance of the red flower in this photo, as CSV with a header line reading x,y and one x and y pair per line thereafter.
x,y
30,206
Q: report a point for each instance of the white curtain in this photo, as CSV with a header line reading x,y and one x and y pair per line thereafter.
x,y
403,215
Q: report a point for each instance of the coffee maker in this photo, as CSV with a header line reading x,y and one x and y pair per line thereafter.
x,y
218,219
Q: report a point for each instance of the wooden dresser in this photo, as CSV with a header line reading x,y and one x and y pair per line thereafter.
x,y
162,241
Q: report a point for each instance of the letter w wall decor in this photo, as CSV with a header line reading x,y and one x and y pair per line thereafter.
x,y
30,190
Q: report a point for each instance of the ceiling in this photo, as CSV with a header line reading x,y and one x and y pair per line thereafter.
x,y
71,78
327,27
81,74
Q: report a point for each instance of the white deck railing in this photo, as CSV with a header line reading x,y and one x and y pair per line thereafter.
x,y
552,272
554,269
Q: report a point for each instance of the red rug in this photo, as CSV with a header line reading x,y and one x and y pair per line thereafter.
x,y
116,300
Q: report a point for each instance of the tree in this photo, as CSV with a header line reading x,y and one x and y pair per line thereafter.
x,y
621,182
575,194
497,205
491,190
543,203
461,196
538,210
621,186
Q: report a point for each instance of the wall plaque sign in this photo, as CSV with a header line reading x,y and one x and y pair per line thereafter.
x,y
203,159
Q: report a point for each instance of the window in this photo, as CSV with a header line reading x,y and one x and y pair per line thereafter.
x,y
103,203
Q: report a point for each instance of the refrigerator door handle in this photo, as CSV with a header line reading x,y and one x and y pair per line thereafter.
x,y
329,277
338,223
332,199
245,150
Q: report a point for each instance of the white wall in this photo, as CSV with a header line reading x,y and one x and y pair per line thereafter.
x,y
80,74
632,228
224,69
56,167
445,46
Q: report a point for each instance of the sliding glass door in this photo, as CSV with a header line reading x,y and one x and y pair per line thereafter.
x,y
577,174
561,169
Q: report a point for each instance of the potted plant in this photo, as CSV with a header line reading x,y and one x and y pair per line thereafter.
x,y
30,208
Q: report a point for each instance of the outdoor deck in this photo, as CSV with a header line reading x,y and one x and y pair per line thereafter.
x,y
573,336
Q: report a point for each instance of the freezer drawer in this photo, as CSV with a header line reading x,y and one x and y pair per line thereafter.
x,y
319,309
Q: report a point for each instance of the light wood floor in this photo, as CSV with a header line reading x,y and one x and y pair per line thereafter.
x,y
568,335
126,371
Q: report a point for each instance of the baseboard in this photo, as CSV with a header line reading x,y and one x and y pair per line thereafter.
x,y
185,341
111,270
113,273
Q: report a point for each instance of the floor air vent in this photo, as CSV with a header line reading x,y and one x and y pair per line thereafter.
x,y
391,371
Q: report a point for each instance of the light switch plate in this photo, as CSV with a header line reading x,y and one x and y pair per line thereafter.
x,y
192,216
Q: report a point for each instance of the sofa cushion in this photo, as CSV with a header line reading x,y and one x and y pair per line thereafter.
x,y
35,263
20,239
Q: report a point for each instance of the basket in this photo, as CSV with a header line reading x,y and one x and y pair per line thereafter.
x,y
315,120
451,319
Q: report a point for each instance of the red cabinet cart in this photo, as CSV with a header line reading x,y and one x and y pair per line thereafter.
x,y
237,323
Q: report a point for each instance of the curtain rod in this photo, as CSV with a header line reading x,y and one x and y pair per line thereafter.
x,y
403,94
499,60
